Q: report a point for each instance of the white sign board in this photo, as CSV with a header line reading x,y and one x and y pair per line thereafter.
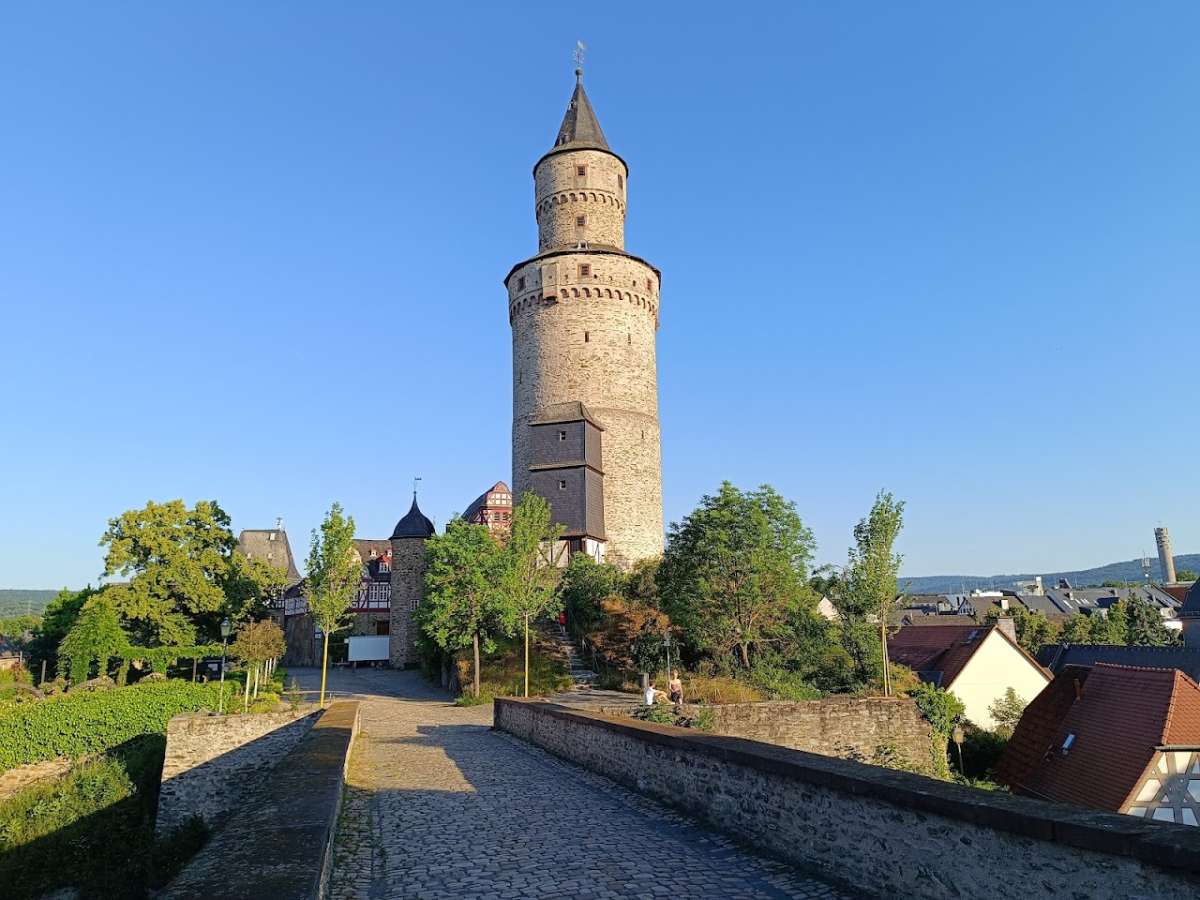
x,y
368,647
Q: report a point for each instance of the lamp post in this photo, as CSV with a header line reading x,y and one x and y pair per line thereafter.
x,y
226,627
958,736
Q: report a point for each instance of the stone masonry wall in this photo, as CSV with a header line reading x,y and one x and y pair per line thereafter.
x,y
408,587
561,195
211,760
598,349
879,831
865,729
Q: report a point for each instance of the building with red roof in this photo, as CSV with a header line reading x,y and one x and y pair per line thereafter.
x,y
1115,738
978,663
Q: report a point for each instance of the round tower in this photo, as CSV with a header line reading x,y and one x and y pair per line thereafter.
x,y
408,583
584,315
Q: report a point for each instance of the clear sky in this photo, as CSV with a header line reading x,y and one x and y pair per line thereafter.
x,y
253,252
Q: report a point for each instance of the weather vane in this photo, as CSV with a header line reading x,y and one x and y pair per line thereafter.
x,y
580,50
416,478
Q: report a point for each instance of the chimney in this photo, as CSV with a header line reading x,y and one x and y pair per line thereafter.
x,y
1009,626
1165,559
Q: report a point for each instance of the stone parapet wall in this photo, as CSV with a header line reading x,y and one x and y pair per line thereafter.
x,y
868,729
212,760
280,845
878,831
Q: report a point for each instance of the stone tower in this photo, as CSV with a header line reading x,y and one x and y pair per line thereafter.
x,y
408,583
584,315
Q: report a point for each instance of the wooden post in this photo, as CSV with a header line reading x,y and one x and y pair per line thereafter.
x,y
43,681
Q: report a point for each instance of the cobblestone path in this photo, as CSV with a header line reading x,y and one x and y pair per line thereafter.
x,y
439,806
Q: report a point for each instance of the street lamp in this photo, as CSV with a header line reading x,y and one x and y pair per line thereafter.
x,y
226,627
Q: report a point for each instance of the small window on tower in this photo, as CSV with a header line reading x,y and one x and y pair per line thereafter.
x,y
581,221
521,283
581,171
620,181
562,435
562,485
585,270
587,337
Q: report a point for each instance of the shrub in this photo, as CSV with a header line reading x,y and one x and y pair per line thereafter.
x,y
981,752
77,724
720,689
783,684
658,713
942,710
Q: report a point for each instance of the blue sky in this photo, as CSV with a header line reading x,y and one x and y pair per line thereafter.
x,y
253,252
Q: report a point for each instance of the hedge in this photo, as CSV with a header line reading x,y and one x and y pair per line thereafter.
x,y
77,724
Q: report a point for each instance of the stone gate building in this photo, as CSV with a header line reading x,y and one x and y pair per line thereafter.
x,y
584,315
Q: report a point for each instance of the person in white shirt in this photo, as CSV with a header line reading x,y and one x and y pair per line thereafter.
x,y
650,693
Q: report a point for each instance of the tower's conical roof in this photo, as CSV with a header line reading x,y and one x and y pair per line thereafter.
x,y
414,524
580,125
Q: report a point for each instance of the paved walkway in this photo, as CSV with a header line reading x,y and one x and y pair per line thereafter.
x,y
440,806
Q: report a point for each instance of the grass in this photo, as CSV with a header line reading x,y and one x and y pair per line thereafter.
x,y
502,673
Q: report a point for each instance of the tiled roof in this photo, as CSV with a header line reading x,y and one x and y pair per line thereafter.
x,y
270,545
370,551
1056,657
937,652
1118,718
479,502
580,127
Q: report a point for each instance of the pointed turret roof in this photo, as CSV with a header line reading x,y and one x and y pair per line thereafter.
x,y
580,127
414,524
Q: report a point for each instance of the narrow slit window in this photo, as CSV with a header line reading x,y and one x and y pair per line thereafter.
x,y
581,171
562,485
562,435
620,181
521,283
585,270
587,336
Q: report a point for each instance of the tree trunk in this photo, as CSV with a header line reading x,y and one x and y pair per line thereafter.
x,y
527,655
744,652
887,674
246,693
475,651
324,668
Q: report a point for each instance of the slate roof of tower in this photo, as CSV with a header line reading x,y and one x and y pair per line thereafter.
x,y
559,413
1119,715
271,546
580,127
414,524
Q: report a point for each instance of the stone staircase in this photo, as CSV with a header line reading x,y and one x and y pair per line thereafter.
x,y
582,676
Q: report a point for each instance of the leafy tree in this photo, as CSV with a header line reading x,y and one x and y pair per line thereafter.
x,y
334,573
57,618
94,639
641,585
1186,575
942,710
1112,626
251,587
528,584
1144,625
585,583
462,605
1006,711
176,559
735,572
257,644
1077,630
868,590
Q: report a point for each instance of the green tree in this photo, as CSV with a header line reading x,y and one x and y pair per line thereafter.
x,y
1186,575
735,572
1078,630
1144,624
258,644
462,605
641,584
1112,626
176,560
57,618
584,584
868,591
1006,711
334,573
94,640
251,587
528,584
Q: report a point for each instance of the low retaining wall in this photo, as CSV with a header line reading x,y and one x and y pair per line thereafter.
x,y
211,760
279,844
878,831
872,729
